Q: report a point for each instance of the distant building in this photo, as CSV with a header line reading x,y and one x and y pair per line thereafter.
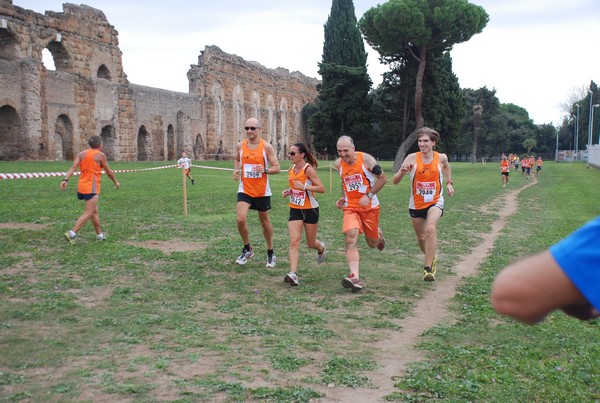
x,y
46,114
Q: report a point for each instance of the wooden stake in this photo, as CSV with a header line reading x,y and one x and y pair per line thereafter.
x,y
185,210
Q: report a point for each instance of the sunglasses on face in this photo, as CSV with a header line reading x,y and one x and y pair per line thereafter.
x,y
251,128
292,153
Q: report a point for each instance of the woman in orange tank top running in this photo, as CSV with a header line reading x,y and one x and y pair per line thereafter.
x,y
304,207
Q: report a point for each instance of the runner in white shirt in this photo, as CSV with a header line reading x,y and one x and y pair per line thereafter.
x,y
185,163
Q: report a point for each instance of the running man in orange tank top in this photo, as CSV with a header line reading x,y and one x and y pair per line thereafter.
x,y
362,178
428,169
255,160
504,170
90,162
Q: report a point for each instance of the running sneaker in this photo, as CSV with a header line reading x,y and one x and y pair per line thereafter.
x,y
433,264
69,238
352,282
381,244
428,274
321,256
243,258
271,261
291,278
101,237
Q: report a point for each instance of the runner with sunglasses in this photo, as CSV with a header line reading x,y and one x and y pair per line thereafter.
x,y
304,207
255,159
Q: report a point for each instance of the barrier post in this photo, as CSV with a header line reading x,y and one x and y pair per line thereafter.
x,y
185,209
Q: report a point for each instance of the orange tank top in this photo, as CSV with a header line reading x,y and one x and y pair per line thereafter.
x,y
253,183
426,183
301,199
91,172
504,166
357,181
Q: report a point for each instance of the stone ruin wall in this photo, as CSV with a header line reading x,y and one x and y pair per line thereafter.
x,y
46,114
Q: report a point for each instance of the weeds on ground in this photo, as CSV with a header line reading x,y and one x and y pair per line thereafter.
x,y
124,320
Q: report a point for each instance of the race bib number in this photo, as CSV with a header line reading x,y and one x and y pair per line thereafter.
x,y
297,197
250,171
426,190
354,183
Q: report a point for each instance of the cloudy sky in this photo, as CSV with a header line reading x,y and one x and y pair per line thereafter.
x,y
534,53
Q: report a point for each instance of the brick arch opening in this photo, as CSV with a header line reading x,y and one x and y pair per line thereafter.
x,y
9,47
109,142
103,72
144,145
61,142
281,144
60,55
10,127
199,148
171,150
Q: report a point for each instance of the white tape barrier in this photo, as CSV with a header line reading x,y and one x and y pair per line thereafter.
x,y
62,174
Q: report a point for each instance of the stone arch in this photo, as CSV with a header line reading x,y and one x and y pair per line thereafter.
x,y
199,148
9,46
271,119
144,145
238,113
60,55
218,96
103,72
282,140
171,143
61,142
255,105
48,60
10,127
297,122
109,142
183,125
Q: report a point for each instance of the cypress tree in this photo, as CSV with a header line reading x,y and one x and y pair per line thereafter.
x,y
343,104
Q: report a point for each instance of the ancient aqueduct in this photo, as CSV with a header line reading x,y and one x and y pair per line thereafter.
x,y
49,114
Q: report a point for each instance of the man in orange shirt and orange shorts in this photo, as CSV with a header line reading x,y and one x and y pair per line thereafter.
x,y
362,178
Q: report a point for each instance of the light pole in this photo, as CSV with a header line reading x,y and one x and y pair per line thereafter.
x,y
576,144
556,153
590,123
595,106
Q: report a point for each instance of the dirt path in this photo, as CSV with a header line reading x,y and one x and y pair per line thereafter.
x,y
398,350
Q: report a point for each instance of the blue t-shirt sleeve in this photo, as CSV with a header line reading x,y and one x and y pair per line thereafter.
x,y
578,255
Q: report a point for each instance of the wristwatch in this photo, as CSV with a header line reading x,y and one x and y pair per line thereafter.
x,y
370,195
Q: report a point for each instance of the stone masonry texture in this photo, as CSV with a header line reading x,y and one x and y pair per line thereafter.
x,y
50,114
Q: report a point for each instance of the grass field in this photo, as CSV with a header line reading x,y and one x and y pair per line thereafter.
x,y
160,312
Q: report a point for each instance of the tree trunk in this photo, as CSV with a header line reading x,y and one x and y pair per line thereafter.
x,y
406,144
419,87
405,113
403,150
477,113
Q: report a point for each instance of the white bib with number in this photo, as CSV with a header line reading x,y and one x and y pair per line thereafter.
x,y
427,190
250,171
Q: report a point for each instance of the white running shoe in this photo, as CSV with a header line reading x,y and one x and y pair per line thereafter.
x,y
321,256
271,261
245,256
291,278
